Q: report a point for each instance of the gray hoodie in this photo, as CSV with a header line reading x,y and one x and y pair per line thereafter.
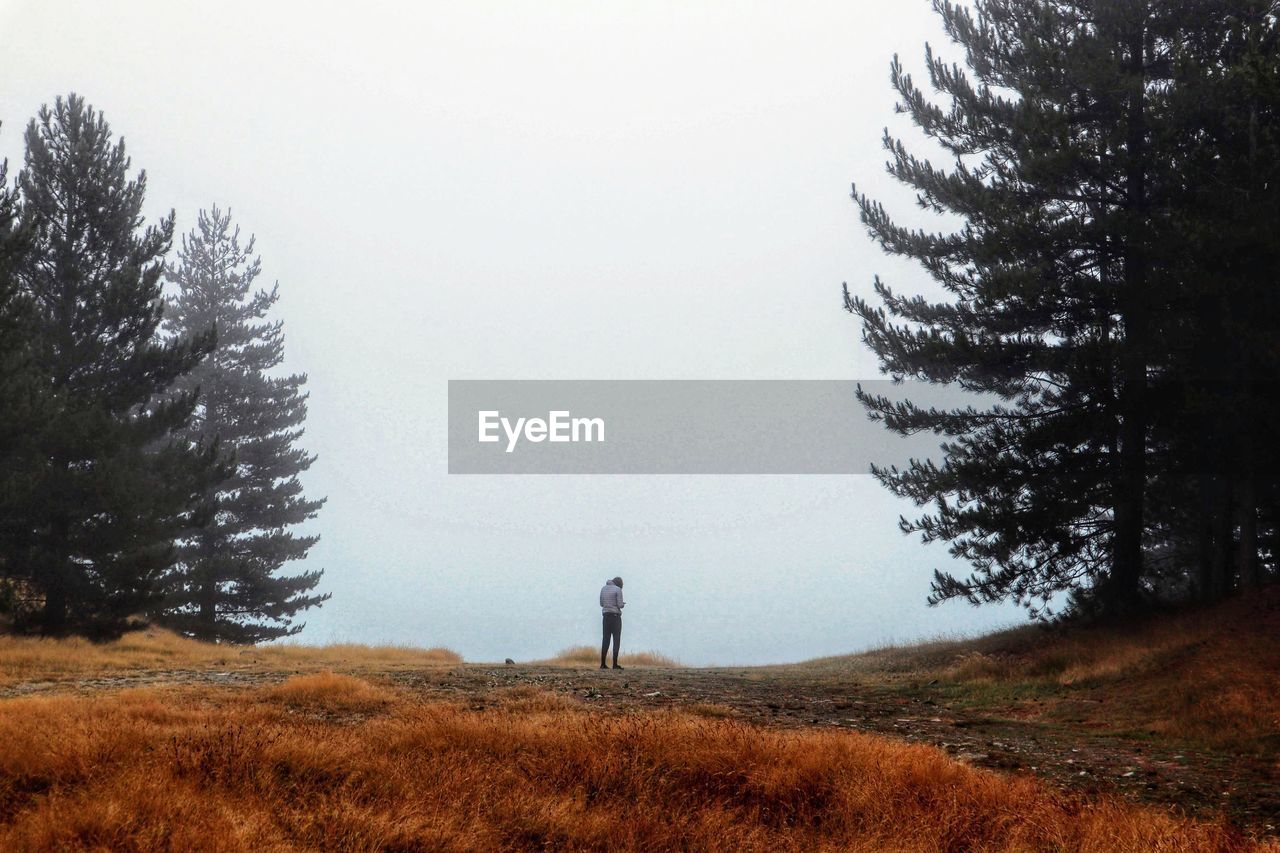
x,y
611,598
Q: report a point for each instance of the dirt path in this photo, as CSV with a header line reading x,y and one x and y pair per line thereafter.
x,y
1200,783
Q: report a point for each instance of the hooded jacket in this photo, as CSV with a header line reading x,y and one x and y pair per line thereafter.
x,y
611,598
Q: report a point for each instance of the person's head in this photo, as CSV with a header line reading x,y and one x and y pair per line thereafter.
x,y
617,582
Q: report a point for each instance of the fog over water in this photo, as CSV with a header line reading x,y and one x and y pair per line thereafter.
x,y
538,191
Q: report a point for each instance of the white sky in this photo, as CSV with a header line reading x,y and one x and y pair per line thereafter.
x,y
537,190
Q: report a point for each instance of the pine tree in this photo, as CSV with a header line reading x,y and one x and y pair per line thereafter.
x,y
23,404
1221,468
113,487
1062,179
227,584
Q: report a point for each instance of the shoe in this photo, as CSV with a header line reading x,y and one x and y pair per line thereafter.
x,y
602,666
615,666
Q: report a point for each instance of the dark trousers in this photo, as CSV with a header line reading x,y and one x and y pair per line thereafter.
x,y
612,628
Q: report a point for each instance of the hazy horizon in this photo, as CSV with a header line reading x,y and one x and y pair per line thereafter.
x,y
567,191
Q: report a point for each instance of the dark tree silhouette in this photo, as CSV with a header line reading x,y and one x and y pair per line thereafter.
x,y
1065,170
113,487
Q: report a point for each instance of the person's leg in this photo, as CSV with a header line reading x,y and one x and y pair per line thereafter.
x,y
617,638
604,645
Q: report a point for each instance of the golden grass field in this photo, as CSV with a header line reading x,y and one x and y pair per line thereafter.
x,y
348,747
330,761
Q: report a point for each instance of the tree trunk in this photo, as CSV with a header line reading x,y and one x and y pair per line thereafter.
x,y
1220,565
1204,538
53,616
53,621
207,619
1130,489
1246,561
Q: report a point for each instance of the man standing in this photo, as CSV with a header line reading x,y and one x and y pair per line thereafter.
x,y
611,603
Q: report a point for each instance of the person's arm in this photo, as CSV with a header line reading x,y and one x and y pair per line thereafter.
x,y
621,603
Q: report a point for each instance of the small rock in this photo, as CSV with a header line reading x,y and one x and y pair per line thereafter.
x,y
510,662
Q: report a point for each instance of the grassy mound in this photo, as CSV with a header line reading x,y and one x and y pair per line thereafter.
x,y
32,658
590,656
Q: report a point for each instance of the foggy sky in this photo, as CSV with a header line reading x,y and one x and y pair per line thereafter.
x,y
538,190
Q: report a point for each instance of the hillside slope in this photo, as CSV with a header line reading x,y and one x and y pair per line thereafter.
x,y
1208,676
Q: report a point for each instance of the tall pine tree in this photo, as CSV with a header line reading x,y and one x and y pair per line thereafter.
x,y
23,403
227,584
1062,180
1220,475
113,487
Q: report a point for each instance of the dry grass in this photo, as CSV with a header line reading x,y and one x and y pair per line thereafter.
x,y
590,656
529,699
30,658
349,654
1206,676
251,770
710,709
1070,657
327,691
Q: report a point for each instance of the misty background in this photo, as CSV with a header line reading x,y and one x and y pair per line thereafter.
x,y
538,191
